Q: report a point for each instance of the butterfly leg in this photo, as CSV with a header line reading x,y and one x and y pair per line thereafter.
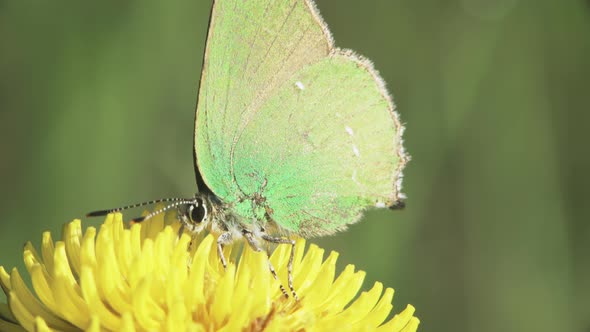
x,y
280,240
223,239
254,245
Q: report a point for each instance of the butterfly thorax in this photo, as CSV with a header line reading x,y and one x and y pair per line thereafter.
x,y
209,213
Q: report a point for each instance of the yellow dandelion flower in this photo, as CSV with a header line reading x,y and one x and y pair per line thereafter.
x,y
143,278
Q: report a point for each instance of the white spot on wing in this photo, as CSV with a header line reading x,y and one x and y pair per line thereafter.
x,y
349,130
300,85
356,151
380,205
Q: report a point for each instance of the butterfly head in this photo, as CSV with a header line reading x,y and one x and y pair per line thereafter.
x,y
195,215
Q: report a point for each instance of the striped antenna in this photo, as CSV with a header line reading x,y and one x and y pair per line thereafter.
x,y
164,209
132,206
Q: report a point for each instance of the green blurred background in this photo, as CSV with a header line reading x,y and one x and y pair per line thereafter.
x,y
97,102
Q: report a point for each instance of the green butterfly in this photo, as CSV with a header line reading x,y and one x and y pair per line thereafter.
x,y
293,136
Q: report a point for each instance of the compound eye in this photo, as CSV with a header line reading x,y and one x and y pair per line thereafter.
x,y
197,213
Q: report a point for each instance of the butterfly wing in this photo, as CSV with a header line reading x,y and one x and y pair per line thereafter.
x,y
252,47
289,128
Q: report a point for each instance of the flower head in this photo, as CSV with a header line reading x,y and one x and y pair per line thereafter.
x,y
147,278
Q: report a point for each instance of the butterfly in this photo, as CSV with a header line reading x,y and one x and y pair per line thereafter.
x,y
293,136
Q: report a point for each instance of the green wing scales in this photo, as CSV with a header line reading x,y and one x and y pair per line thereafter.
x,y
289,128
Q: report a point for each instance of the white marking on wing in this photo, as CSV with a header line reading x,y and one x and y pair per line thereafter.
x,y
380,205
300,85
356,151
349,130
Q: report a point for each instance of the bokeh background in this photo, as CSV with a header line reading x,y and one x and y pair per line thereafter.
x,y
97,102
